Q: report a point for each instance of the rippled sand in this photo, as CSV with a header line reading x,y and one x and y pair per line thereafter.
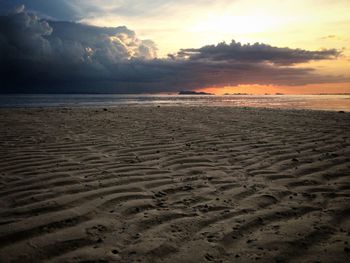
x,y
174,184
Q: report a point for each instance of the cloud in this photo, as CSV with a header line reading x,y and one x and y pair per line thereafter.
x,y
53,9
39,55
73,10
25,36
133,8
331,37
257,52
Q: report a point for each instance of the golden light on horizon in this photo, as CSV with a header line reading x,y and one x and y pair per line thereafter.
x,y
325,88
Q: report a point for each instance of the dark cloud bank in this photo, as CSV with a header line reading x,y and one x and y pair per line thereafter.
x,y
38,55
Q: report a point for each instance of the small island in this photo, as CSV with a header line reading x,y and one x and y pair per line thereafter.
x,y
237,94
190,92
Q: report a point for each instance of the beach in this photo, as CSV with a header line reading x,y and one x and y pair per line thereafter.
x,y
174,184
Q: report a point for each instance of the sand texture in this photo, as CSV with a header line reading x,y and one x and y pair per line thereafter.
x,y
174,184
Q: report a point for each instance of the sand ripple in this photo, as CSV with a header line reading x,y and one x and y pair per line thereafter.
x,y
174,184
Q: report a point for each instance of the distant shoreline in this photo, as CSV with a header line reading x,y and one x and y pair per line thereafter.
x,y
190,92
170,94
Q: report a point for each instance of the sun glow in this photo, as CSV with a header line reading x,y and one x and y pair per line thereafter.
x,y
327,88
235,24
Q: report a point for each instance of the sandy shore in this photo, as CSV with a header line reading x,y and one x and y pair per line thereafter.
x,y
174,184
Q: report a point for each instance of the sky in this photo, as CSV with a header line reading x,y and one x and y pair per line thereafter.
x,y
135,46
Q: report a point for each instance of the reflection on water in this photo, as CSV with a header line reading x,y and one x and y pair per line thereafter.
x,y
316,102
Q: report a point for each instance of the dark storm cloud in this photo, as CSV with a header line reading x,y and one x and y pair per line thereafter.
x,y
257,52
38,55
55,9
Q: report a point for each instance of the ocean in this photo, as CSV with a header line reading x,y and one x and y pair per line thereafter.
x,y
313,102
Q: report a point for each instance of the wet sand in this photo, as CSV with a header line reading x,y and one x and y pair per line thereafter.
x,y
174,184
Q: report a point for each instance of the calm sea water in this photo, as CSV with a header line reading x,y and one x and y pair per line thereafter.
x,y
316,102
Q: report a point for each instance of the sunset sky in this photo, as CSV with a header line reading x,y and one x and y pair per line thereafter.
x,y
131,46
